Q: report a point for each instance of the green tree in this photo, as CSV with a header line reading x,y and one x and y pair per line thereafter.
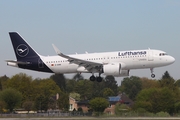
x,y
41,103
111,83
2,106
177,107
144,99
177,83
48,87
70,86
78,77
43,91
60,80
134,92
121,108
28,105
166,75
45,87
131,86
3,80
156,100
168,81
63,101
107,92
162,114
11,97
74,95
145,105
97,89
149,83
1,86
99,104
22,83
52,103
84,88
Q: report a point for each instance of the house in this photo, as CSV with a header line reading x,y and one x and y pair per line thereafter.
x,y
84,105
113,100
74,105
126,100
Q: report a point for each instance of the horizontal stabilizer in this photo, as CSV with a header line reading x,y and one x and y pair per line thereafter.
x,y
18,62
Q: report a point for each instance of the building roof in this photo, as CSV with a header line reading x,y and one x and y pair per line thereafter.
x,y
83,102
126,100
114,98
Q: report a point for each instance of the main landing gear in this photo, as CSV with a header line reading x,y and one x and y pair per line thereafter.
x,y
98,79
152,75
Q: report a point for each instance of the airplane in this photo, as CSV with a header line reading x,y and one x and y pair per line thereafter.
x,y
118,63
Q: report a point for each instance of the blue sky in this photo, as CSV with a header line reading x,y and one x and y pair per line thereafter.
x,y
93,26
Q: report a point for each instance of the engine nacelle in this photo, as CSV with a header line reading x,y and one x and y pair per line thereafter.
x,y
82,69
115,69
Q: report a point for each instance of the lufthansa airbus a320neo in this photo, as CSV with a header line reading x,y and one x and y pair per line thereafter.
x,y
118,63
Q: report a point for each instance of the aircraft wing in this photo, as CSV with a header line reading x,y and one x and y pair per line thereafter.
x,y
89,65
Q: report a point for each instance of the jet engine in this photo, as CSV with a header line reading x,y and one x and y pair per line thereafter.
x,y
115,69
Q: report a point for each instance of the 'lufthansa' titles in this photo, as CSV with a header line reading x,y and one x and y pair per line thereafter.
x,y
131,53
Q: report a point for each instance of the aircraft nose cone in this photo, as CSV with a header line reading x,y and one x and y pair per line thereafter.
x,y
172,59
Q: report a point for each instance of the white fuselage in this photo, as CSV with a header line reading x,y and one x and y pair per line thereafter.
x,y
133,59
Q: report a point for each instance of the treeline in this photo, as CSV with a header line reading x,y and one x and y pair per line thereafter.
x,y
149,95
40,94
153,96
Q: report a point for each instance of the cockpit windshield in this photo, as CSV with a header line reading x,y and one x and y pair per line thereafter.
x,y
163,54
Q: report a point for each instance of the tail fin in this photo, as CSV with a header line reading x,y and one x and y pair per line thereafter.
x,y
21,48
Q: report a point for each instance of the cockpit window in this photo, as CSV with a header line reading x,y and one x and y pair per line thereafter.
x,y
163,54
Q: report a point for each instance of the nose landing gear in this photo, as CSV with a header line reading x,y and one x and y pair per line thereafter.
x,y
152,75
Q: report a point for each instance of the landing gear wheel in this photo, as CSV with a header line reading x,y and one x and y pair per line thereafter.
x,y
92,78
99,79
153,75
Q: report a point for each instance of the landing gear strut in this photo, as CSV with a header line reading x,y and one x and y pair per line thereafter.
x,y
152,75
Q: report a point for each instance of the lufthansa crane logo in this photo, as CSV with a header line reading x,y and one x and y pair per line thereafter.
x,y
22,50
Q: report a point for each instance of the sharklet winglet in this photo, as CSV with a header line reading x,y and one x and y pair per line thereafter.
x,y
56,50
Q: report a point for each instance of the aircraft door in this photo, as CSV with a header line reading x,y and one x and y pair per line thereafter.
x,y
150,55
